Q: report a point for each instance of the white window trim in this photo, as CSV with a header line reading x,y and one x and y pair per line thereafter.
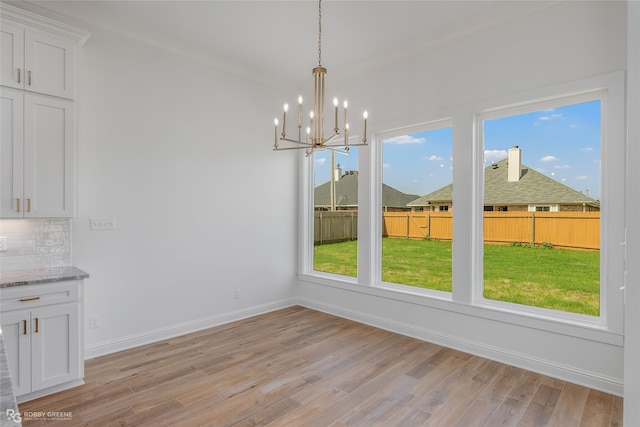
x,y
376,271
609,89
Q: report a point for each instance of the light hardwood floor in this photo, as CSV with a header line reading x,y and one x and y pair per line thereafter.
x,y
300,367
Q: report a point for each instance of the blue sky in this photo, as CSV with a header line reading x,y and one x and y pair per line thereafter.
x,y
562,143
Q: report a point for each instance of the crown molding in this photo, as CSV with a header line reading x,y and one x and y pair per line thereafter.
x,y
24,17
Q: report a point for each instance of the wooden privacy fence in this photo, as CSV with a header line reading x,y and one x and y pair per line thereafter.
x,y
575,230
417,225
333,227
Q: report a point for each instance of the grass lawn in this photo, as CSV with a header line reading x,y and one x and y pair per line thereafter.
x,y
557,279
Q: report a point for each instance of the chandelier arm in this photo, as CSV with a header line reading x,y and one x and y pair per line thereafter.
x,y
295,141
291,148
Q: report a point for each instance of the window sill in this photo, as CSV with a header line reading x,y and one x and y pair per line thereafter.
x,y
499,312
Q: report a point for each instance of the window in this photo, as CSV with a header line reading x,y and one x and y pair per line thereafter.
x,y
409,246
335,224
417,191
537,254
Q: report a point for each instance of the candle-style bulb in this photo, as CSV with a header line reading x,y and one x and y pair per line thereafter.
x,y
300,100
284,120
365,115
335,117
345,104
311,114
346,133
275,141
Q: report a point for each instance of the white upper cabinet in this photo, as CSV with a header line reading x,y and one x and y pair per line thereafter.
x,y
37,73
37,62
11,153
12,56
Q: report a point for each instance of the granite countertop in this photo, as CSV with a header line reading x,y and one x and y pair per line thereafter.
x,y
8,405
44,275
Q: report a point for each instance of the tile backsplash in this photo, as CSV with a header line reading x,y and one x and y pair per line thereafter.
x,y
35,243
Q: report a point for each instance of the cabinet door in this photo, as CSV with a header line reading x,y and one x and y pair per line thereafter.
x,y
12,56
11,153
49,64
55,345
48,157
17,342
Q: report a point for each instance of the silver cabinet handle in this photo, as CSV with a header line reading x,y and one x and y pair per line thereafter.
x,y
19,75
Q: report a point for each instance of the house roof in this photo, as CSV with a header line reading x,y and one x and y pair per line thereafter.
x,y
347,193
533,188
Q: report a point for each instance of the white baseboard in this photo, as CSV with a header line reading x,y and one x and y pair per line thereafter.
x,y
136,340
567,373
50,390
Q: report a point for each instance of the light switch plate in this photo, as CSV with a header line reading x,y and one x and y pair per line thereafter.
x,y
3,243
103,224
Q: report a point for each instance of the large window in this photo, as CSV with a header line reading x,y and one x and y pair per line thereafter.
x,y
417,198
543,165
537,213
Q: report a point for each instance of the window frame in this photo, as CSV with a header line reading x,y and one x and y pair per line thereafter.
x,y
609,90
431,125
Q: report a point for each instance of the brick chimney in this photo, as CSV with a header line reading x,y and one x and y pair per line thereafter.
x,y
514,164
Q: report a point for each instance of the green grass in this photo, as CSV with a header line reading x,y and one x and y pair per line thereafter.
x,y
557,279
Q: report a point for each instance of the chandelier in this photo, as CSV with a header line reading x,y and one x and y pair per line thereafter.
x,y
314,138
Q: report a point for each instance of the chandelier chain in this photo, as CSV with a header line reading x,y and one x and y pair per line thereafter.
x,y
319,33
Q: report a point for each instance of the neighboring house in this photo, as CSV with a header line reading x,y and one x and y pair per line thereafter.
x,y
346,194
511,186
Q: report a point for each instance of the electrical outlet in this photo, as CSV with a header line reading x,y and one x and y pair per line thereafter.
x,y
94,322
103,224
3,243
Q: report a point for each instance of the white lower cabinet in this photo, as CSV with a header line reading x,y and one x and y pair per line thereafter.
x,y
42,332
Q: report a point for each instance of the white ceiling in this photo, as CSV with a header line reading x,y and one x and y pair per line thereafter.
x,y
279,38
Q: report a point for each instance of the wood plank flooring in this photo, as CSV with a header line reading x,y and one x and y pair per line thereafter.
x,y
300,367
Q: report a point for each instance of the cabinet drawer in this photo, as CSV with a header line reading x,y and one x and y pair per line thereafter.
x,y
29,296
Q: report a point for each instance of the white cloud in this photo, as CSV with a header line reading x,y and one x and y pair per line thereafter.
x,y
587,149
386,166
405,139
434,157
573,126
441,165
552,116
494,155
562,167
549,159
321,161
582,178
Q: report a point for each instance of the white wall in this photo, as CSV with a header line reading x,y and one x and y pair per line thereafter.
x,y
572,41
632,284
179,153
